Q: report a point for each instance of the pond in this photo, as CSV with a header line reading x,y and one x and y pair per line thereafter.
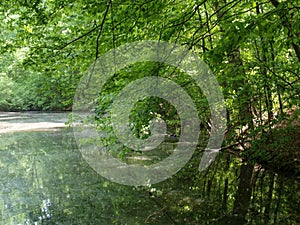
x,y
45,180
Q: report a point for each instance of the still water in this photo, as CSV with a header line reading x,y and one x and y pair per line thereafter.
x,y
44,180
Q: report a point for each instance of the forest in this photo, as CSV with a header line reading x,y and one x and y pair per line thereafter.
x,y
251,47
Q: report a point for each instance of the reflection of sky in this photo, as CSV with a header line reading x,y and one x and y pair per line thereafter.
x,y
44,179
13,122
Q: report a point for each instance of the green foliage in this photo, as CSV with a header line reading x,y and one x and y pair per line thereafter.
x,y
252,47
278,150
6,93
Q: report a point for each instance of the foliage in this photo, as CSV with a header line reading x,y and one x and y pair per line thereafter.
x,y
278,150
252,47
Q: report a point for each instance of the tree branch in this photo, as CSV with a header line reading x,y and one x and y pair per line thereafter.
x,y
275,3
78,38
101,27
90,31
286,23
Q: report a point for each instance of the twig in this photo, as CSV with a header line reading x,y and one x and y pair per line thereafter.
x,y
101,27
78,38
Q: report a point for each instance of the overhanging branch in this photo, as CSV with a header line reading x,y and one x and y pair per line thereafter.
x,y
101,27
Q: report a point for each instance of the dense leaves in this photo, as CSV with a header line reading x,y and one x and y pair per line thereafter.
x,y
252,47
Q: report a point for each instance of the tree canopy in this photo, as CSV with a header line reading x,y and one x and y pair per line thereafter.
x,y
252,47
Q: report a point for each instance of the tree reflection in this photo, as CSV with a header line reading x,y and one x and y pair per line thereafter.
x,y
44,180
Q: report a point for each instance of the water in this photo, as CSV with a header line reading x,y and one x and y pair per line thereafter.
x,y
44,180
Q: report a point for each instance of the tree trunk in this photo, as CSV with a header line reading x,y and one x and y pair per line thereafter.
x,y
286,23
243,195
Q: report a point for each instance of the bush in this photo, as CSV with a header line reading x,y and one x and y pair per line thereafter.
x,y
6,93
278,149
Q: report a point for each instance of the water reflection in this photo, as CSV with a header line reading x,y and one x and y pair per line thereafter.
x,y
44,180
16,122
45,214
